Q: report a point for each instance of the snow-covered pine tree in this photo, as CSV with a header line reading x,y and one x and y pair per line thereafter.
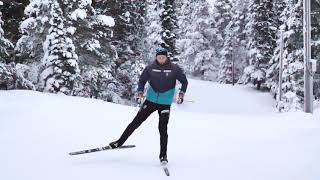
x,y
29,48
234,45
260,31
129,18
12,14
315,33
219,18
92,34
90,31
195,39
5,44
6,74
128,38
315,20
152,30
278,8
272,74
292,80
240,51
169,27
61,71
11,76
131,66
222,17
226,68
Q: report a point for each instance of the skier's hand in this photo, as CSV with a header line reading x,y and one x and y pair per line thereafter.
x,y
180,97
139,97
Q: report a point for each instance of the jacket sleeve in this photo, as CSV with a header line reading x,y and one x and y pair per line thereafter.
x,y
182,79
143,79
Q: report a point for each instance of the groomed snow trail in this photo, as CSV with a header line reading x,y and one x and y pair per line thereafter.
x,y
227,133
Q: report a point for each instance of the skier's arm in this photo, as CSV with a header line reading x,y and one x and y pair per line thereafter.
x,y
143,79
182,79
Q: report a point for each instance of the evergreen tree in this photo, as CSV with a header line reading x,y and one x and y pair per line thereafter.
x,y
234,44
260,30
315,33
128,38
225,72
90,33
130,66
152,30
5,44
129,18
273,70
222,17
196,37
11,76
293,59
292,75
34,29
60,61
12,14
169,27
6,74
240,40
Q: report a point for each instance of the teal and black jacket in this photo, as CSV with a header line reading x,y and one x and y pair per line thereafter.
x,y
162,80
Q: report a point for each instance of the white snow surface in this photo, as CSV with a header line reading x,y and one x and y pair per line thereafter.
x,y
227,133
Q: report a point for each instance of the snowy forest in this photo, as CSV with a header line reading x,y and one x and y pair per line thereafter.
x,y
155,89
98,48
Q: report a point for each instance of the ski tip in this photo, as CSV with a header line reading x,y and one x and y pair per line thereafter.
x,y
128,146
76,153
165,168
166,171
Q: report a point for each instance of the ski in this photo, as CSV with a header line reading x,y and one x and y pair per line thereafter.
x,y
100,149
165,168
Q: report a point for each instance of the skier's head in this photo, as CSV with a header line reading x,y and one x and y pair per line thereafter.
x,y
161,55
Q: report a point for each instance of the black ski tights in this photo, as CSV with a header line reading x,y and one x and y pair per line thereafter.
x,y
145,111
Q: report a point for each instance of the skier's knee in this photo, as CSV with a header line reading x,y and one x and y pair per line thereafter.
x,y
135,125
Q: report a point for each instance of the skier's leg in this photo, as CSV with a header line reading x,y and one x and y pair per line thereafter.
x,y
146,109
164,114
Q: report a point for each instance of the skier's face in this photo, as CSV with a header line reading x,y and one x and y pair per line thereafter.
x,y
162,59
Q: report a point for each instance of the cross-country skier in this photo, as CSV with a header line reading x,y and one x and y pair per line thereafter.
x,y
162,76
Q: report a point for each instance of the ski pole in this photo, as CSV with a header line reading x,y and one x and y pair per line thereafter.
x,y
190,101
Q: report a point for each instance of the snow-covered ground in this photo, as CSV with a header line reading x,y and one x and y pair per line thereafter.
x,y
227,133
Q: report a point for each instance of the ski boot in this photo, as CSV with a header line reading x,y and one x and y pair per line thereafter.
x,y
114,145
164,160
